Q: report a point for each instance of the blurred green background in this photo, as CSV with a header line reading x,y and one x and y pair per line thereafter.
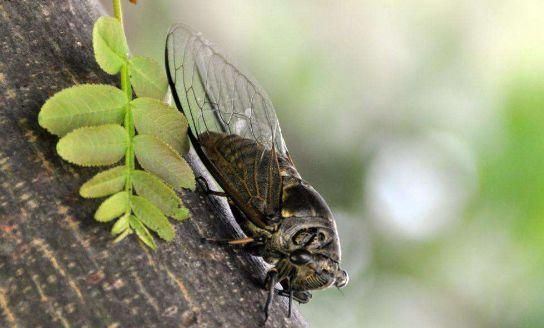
x,y
422,123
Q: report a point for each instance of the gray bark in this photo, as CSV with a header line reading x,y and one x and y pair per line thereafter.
x,y
58,267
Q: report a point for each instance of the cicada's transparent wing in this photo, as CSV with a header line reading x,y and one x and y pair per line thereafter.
x,y
215,95
232,122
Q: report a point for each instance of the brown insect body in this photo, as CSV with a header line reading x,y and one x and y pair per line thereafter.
x,y
235,131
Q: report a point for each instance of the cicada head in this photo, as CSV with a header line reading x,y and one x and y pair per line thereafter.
x,y
308,235
315,271
315,256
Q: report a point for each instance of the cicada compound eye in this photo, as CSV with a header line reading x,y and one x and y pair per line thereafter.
x,y
300,257
342,278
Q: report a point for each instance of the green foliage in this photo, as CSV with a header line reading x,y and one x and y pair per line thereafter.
x,y
123,234
94,145
83,105
110,44
142,232
147,77
513,175
112,207
161,195
157,157
97,127
156,118
105,183
152,217
121,225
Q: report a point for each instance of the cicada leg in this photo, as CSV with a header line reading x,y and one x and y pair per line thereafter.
x,y
269,283
206,188
227,242
253,246
282,272
302,297
290,291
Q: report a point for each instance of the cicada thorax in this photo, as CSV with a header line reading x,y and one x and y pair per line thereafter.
x,y
307,221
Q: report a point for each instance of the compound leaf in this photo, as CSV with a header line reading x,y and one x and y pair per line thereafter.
x,y
156,118
152,217
104,183
82,105
142,232
161,195
112,207
147,77
94,145
157,157
110,44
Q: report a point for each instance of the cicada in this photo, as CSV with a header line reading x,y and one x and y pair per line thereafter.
x,y
235,132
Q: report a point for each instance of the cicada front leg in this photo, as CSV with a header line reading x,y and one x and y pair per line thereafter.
x,y
302,297
252,245
287,291
269,283
283,273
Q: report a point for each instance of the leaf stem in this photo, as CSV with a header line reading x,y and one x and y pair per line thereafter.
x,y
118,11
129,120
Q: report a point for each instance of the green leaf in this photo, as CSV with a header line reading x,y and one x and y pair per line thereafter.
x,y
93,146
110,45
181,214
104,183
152,217
112,207
157,157
147,77
120,225
82,105
161,195
122,236
156,118
142,232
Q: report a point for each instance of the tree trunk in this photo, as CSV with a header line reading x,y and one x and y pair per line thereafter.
x,y
59,267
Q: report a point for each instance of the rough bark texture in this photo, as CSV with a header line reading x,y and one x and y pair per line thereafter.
x,y
58,267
